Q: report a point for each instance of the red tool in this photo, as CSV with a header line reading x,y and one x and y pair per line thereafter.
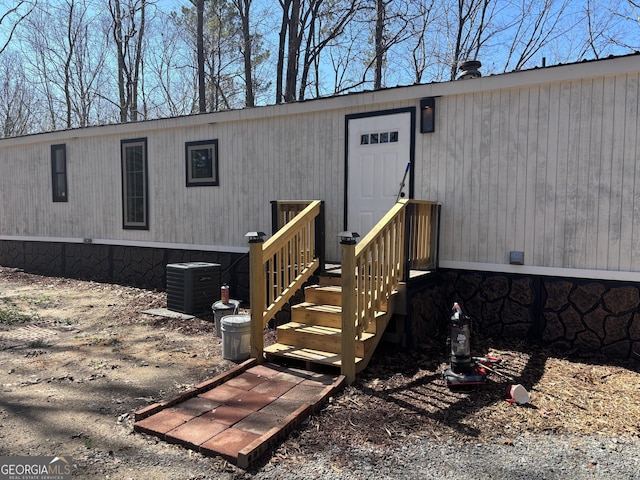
x,y
490,360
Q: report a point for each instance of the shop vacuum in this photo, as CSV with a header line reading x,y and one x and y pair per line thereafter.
x,y
465,371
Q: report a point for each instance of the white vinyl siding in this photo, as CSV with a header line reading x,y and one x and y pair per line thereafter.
x,y
551,170
542,161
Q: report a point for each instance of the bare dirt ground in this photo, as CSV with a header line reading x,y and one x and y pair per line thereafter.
x,y
78,358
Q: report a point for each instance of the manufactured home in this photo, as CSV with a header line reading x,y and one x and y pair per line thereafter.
x,y
534,173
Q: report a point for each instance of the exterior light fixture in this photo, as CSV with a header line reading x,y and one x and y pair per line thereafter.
x,y
255,237
348,238
427,115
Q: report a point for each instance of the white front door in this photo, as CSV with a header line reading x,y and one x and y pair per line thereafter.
x,y
379,150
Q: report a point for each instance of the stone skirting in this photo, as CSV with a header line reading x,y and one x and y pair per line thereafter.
x,y
593,317
137,266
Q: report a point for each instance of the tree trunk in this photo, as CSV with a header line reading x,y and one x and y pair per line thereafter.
x,y
200,52
285,4
116,14
310,49
379,43
137,64
67,64
293,53
247,52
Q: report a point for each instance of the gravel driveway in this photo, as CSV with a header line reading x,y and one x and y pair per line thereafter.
x,y
529,457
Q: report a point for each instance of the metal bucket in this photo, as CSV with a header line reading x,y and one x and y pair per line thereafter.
x,y
220,310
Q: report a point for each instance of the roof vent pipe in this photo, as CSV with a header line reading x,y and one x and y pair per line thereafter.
x,y
469,69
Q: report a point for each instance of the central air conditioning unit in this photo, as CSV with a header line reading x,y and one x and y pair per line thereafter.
x,y
192,287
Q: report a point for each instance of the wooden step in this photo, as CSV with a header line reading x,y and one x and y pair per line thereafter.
x,y
324,294
329,280
306,355
314,335
317,337
325,316
312,314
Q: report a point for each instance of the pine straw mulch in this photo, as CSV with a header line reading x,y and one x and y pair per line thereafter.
x,y
403,395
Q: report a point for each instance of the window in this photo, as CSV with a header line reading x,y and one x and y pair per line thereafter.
x,y
135,206
59,172
202,163
380,137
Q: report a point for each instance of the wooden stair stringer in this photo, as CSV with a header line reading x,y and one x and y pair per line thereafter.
x,y
381,324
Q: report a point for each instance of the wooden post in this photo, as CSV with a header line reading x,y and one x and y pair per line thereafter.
x,y
348,350
409,238
257,297
319,240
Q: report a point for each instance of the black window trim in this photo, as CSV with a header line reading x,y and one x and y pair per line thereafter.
x,y
56,175
135,225
190,181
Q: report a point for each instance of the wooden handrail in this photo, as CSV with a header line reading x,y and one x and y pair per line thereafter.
x,y
283,211
380,264
373,269
278,268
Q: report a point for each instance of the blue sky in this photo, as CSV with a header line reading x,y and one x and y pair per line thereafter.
x,y
609,15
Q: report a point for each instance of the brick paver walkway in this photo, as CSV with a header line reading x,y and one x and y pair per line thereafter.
x,y
241,414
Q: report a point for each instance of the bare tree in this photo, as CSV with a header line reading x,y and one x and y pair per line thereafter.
x,y
202,95
175,91
307,29
390,20
41,67
422,52
223,59
342,56
13,16
379,43
128,34
66,58
293,51
213,55
533,27
225,56
472,19
323,22
608,27
282,39
244,10
84,61
17,99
